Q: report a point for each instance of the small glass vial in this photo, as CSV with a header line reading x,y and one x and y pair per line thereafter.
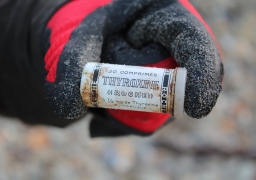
x,y
134,88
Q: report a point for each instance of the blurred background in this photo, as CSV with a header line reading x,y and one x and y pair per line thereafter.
x,y
220,146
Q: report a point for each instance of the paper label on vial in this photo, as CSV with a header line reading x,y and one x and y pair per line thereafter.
x,y
127,87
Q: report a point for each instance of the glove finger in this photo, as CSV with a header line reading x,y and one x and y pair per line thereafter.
x,y
191,45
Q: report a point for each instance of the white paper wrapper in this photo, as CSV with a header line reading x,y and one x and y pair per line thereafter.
x,y
134,88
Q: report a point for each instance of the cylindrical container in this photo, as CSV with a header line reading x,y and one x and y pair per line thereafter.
x,y
134,88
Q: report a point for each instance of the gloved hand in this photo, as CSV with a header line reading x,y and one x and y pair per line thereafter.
x,y
174,25
77,32
72,33
179,29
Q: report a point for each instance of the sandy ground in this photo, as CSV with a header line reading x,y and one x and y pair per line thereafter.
x,y
220,146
